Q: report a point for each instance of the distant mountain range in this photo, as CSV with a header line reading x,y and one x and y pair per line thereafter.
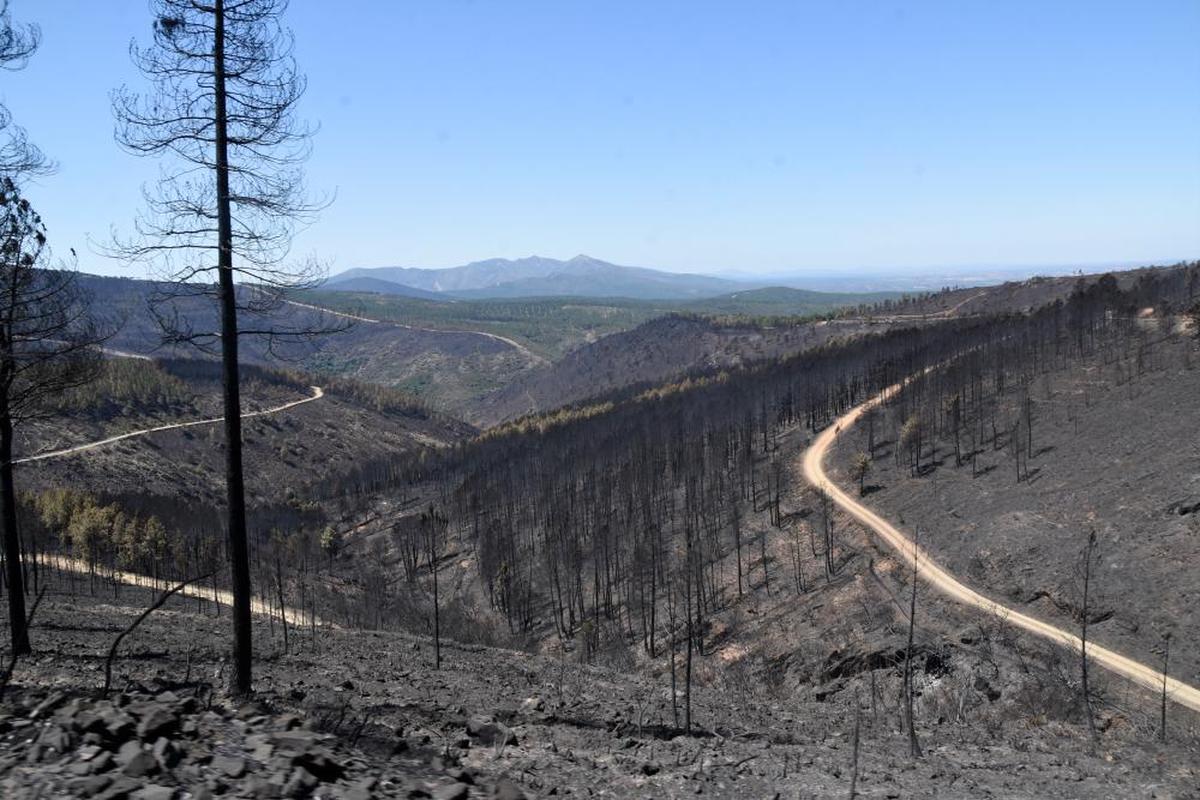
x,y
581,276
584,276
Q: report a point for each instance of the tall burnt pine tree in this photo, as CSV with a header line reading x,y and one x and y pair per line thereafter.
x,y
219,223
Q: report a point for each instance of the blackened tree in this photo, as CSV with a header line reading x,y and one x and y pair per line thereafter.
x,y
220,222
47,346
18,156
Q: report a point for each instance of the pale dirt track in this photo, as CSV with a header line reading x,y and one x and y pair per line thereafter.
x,y
947,584
295,616
520,348
317,394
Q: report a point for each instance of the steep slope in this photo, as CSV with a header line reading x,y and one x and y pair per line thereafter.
x,y
366,715
654,352
450,369
669,347
1105,458
289,428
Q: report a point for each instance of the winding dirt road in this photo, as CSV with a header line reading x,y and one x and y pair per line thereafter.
x,y
317,394
257,606
947,584
513,343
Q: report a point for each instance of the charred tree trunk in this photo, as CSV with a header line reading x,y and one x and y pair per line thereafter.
x,y
12,538
1088,552
914,745
243,655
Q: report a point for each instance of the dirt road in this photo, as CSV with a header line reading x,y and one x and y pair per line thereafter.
x,y
513,343
947,584
317,394
295,616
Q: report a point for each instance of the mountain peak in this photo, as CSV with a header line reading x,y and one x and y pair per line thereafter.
x,y
538,276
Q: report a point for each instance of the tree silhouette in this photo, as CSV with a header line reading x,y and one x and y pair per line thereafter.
x,y
18,156
220,221
47,343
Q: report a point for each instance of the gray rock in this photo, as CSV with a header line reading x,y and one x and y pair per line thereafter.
x,y
485,731
55,738
300,784
166,752
141,765
321,765
90,787
296,741
460,775
158,721
121,789
102,762
128,752
48,705
232,766
362,790
155,792
87,752
118,726
507,790
287,722
453,791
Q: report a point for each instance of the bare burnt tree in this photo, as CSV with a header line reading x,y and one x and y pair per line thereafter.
x,y
47,345
1087,563
914,744
18,156
1162,724
433,526
219,223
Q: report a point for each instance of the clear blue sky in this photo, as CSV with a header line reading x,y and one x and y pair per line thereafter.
x,y
758,136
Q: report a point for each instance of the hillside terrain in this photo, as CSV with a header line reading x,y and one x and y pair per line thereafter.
x,y
450,369
660,546
347,426
554,326
1105,458
672,347
496,360
356,714
452,355
655,352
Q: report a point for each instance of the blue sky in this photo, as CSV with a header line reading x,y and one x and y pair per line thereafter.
x,y
754,136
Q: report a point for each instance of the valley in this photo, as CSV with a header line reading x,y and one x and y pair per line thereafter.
x,y
673,548
853,454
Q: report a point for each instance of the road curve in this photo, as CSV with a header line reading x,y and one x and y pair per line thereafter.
x,y
947,584
513,343
317,394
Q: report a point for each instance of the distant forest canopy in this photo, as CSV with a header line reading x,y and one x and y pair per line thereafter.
x,y
554,325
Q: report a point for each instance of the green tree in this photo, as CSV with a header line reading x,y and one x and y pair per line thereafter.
x,y
859,470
